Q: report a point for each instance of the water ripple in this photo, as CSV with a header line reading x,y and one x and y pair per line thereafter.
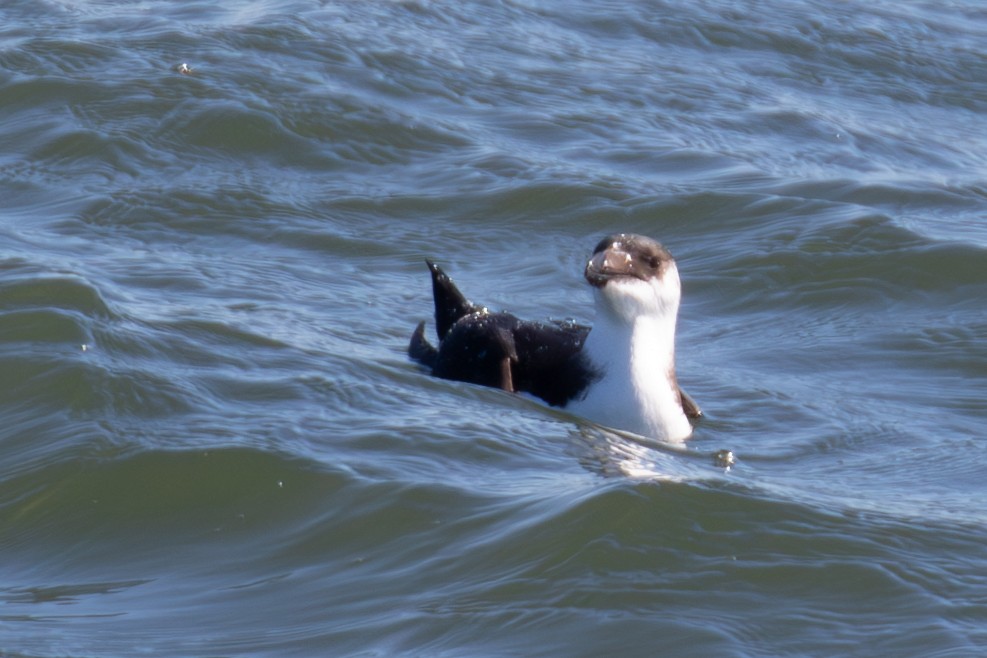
x,y
213,442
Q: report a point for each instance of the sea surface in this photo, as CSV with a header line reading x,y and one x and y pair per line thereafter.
x,y
213,224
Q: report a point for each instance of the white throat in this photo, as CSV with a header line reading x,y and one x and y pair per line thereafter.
x,y
632,346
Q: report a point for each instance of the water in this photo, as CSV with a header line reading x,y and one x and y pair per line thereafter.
x,y
213,444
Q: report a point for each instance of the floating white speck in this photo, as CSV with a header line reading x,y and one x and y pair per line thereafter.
x,y
724,459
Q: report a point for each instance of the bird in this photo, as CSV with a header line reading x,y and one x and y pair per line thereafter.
x,y
619,373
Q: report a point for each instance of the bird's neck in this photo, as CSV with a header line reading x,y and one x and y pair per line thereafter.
x,y
637,362
642,350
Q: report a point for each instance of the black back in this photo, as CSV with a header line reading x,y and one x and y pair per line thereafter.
x,y
499,350
543,359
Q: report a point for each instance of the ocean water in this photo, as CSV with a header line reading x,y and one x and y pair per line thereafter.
x,y
213,221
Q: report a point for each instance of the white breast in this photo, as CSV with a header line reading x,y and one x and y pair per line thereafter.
x,y
632,345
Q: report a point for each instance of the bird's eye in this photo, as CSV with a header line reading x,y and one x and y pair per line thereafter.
x,y
654,262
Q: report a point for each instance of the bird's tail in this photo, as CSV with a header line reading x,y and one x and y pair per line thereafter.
x,y
450,304
420,349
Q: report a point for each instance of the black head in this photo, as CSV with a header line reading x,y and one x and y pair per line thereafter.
x,y
627,255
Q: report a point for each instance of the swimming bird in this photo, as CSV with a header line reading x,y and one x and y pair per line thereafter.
x,y
620,373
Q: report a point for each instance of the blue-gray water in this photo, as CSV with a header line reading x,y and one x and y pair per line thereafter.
x,y
213,444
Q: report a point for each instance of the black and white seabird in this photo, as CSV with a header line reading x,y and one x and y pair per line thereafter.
x,y
620,373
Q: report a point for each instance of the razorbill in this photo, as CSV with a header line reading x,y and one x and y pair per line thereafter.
x,y
620,373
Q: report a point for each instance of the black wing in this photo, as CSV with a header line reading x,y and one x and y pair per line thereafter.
x,y
500,350
479,348
689,405
550,362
